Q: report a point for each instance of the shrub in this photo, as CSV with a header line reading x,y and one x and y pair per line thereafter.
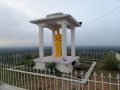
x,y
79,66
29,63
22,62
28,56
50,65
111,63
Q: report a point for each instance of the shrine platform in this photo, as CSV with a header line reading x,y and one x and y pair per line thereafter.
x,y
62,65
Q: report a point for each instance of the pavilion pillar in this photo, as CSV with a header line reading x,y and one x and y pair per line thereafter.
x,y
53,43
41,47
73,41
64,41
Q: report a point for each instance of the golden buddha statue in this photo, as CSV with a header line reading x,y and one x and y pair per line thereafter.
x,y
58,44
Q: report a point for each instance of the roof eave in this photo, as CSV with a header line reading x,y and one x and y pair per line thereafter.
x,y
68,16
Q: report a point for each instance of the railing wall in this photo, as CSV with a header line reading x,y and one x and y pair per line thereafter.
x,y
27,78
83,54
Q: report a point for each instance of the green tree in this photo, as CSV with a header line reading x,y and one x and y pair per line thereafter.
x,y
111,63
28,61
28,56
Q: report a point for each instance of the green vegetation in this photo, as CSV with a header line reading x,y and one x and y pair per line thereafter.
x,y
99,68
28,56
50,65
111,63
27,62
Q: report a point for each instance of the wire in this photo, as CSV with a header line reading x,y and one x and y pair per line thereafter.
x,y
102,16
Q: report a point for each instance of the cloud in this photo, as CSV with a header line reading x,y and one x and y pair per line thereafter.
x,y
16,29
20,6
14,25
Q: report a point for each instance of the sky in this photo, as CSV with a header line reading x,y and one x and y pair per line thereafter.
x,y
100,18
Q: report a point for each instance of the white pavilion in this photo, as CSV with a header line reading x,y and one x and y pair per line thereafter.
x,y
53,22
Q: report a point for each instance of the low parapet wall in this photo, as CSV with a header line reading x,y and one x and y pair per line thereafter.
x,y
86,77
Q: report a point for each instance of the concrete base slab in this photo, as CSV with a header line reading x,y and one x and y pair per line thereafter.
x,y
62,66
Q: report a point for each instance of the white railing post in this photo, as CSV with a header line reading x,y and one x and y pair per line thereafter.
x,y
13,75
10,80
110,79
75,77
62,81
95,78
82,78
27,79
45,80
34,79
1,73
16,75
7,74
31,77
56,83
102,81
118,77
41,80
38,78
49,78
24,79
78,84
67,81
71,78
54,78
88,84
21,77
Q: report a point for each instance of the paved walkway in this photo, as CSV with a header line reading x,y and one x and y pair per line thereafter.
x,y
9,87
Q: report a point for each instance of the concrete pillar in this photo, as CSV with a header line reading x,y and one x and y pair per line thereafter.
x,y
41,47
64,41
53,43
73,42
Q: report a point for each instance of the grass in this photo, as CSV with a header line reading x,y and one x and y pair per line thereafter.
x,y
100,68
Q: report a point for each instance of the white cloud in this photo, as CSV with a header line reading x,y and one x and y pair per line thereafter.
x,y
15,16
20,6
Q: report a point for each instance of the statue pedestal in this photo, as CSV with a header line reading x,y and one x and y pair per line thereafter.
x,y
62,66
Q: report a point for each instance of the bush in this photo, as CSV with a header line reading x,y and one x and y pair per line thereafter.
x,y
111,63
50,65
22,62
79,66
29,63
28,56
